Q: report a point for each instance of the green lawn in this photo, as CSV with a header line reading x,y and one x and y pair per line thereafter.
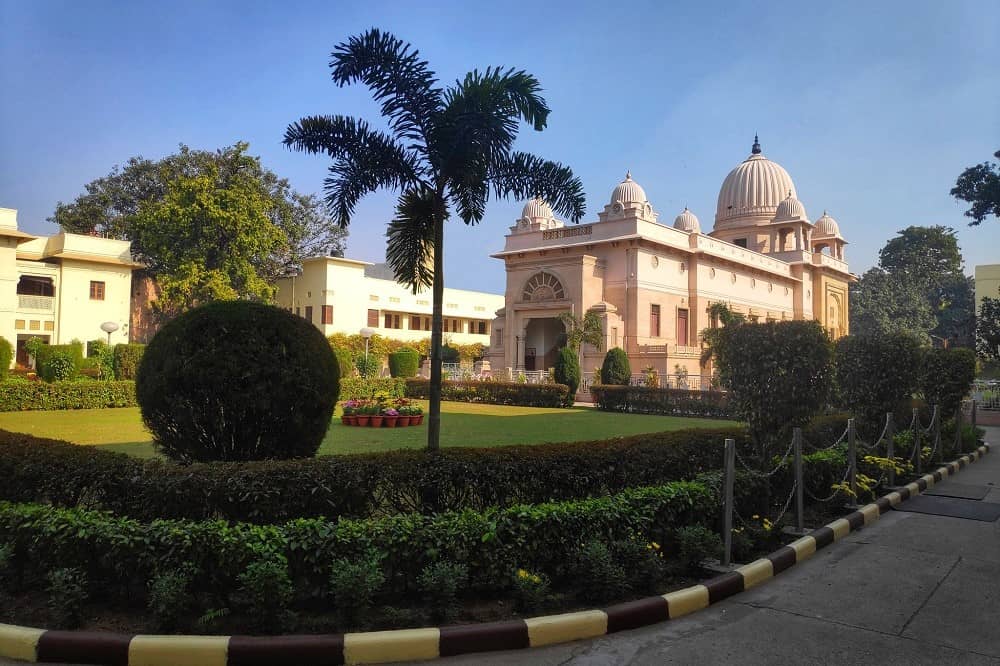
x,y
462,424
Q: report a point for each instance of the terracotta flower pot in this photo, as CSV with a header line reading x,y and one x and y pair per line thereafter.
x,y
347,420
390,421
376,421
362,419
404,421
419,419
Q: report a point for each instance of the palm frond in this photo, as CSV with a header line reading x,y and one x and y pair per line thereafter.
x,y
522,175
410,246
398,78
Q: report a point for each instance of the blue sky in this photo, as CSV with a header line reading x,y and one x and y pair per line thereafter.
x,y
873,108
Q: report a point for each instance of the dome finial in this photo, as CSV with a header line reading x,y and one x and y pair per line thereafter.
x,y
756,145
628,174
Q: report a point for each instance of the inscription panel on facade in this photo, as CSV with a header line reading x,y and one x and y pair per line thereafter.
x,y
567,232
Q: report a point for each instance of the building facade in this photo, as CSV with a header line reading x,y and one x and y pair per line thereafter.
x,y
987,280
345,295
652,284
61,288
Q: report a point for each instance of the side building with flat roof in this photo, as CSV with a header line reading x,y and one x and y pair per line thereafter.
x,y
341,295
61,288
987,279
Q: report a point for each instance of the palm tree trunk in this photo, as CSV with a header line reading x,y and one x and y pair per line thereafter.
x,y
434,416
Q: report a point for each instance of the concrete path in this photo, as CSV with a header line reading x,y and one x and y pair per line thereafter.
x,y
911,589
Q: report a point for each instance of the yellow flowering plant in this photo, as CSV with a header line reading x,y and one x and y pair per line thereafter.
x,y
531,590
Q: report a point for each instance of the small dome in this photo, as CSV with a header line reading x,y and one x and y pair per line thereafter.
x,y
827,227
628,191
687,221
790,209
536,208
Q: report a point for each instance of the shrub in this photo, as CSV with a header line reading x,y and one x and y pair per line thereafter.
x,y
24,396
449,354
616,369
779,375
367,366
664,401
67,594
361,388
531,590
642,560
170,598
493,393
6,356
600,577
568,372
235,380
6,569
947,378
875,375
695,544
440,583
101,356
59,362
265,592
404,363
354,584
127,358
345,364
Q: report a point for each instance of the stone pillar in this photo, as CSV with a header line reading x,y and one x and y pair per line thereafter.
x,y
481,367
425,368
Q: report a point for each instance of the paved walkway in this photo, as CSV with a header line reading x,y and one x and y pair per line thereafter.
x,y
911,589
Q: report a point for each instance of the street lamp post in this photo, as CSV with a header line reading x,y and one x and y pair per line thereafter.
x,y
367,332
109,327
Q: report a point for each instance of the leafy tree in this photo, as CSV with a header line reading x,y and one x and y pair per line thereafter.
x,y
205,243
110,204
779,375
567,371
877,374
947,378
884,303
979,185
445,149
616,369
583,331
720,315
988,328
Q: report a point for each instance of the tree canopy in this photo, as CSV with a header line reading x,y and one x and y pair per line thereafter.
x,y
988,328
113,205
445,149
979,185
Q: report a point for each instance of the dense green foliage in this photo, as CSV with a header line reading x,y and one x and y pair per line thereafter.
x,y
345,364
450,354
493,393
368,367
665,401
102,356
877,374
947,377
779,375
567,371
6,356
616,369
355,388
444,149
235,380
988,328
84,394
127,358
979,185
59,362
404,363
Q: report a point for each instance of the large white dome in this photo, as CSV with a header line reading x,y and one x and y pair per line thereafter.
x,y
753,189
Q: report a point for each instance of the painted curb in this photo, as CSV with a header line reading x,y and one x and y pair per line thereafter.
x,y
87,647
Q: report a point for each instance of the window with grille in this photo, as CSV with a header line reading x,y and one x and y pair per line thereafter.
x,y
96,291
543,287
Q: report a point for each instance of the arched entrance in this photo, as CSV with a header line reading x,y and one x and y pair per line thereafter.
x,y
543,338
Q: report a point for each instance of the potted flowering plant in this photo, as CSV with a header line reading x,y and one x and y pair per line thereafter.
x,y
374,414
350,409
364,412
390,417
416,415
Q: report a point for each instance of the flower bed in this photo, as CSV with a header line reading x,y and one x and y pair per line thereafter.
x,y
381,412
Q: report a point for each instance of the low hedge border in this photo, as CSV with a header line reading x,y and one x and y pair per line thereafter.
x,y
663,401
87,394
375,484
411,644
493,393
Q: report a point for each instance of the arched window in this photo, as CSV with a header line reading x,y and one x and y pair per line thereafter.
x,y
543,287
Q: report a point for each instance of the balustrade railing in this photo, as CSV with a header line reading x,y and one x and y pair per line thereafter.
x,y
27,302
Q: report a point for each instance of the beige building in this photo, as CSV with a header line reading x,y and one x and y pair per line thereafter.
x,y
345,295
62,287
652,283
987,279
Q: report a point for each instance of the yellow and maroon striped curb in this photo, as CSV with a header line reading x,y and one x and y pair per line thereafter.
x,y
88,647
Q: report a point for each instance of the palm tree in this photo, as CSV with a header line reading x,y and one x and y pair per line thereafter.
x,y
445,149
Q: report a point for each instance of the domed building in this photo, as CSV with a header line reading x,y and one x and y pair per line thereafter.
x,y
652,284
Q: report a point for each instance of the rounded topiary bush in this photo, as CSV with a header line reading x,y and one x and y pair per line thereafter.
x,y
404,363
616,369
6,356
234,381
567,371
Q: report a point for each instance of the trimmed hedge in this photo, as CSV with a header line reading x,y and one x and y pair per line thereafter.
x,y
616,369
664,401
494,393
59,362
126,360
358,388
119,555
404,363
85,394
6,356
